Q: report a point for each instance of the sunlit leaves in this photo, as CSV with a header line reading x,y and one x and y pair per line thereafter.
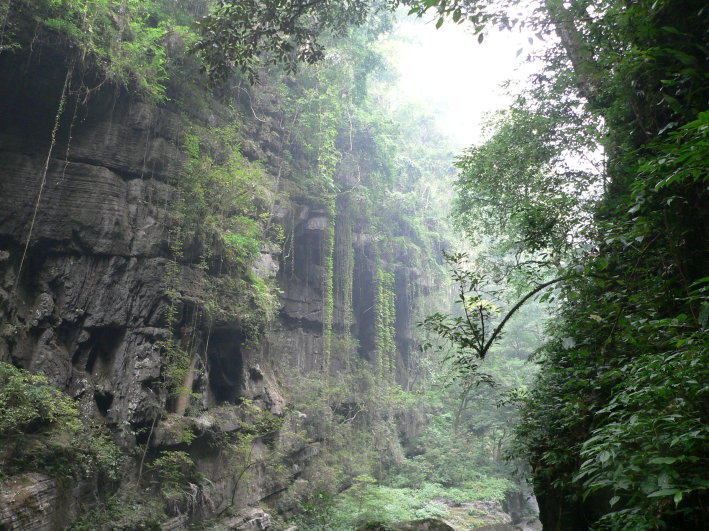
x,y
526,190
682,156
248,35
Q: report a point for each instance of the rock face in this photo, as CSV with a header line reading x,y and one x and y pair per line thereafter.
x,y
84,261
251,519
498,527
35,502
88,304
489,510
29,501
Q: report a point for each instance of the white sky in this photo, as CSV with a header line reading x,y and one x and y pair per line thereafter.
x,y
455,76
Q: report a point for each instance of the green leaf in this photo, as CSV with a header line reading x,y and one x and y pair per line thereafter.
x,y
664,492
662,460
674,104
703,317
670,29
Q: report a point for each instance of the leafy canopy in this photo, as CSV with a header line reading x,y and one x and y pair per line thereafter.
x,y
251,34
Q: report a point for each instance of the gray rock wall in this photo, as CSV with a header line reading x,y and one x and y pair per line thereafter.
x,y
88,306
85,304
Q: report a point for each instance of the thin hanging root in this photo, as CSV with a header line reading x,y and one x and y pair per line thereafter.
x,y
53,141
183,397
71,129
147,446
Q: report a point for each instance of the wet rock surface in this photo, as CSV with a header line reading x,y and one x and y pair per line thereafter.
x,y
250,519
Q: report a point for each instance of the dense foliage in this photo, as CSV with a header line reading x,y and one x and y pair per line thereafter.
x,y
591,189
615,428
42,431
122,44
253,34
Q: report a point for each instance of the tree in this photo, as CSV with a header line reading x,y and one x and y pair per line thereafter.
x,y
254,33
615,426
528,191
473,333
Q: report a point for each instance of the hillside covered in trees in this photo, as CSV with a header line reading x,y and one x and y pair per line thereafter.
x,y
243,285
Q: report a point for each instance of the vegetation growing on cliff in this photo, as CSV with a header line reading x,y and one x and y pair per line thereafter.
x,y
124,44
42,430
325,144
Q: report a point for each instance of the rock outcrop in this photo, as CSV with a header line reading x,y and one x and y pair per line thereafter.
x,y
85,234
38,502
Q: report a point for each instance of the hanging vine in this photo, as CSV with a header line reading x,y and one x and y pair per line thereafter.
x,y
384,328
177,359
328,294
328,157
45,169
344,267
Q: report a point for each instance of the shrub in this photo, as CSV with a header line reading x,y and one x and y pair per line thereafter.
x,y
41,430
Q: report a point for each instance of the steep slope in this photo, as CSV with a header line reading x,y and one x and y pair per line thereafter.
x,y
225,326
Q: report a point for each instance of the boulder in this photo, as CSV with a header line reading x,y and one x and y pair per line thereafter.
x,y
250,519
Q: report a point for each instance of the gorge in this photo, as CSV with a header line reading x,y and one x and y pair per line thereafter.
x,y
226,298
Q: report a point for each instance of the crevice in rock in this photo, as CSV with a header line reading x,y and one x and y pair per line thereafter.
x,y
102,347
103,400
255,374
226,365
363,304
121,172
296,323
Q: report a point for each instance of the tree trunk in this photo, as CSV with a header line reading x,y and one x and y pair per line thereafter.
x,y
578,51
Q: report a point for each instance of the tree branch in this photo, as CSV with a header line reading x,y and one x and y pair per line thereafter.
x,y
498,329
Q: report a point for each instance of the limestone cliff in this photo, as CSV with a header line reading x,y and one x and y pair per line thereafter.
x,y
92,288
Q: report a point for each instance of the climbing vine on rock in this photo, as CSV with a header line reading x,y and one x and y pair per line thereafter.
x,y
328,294
385,308
123,41
219,217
